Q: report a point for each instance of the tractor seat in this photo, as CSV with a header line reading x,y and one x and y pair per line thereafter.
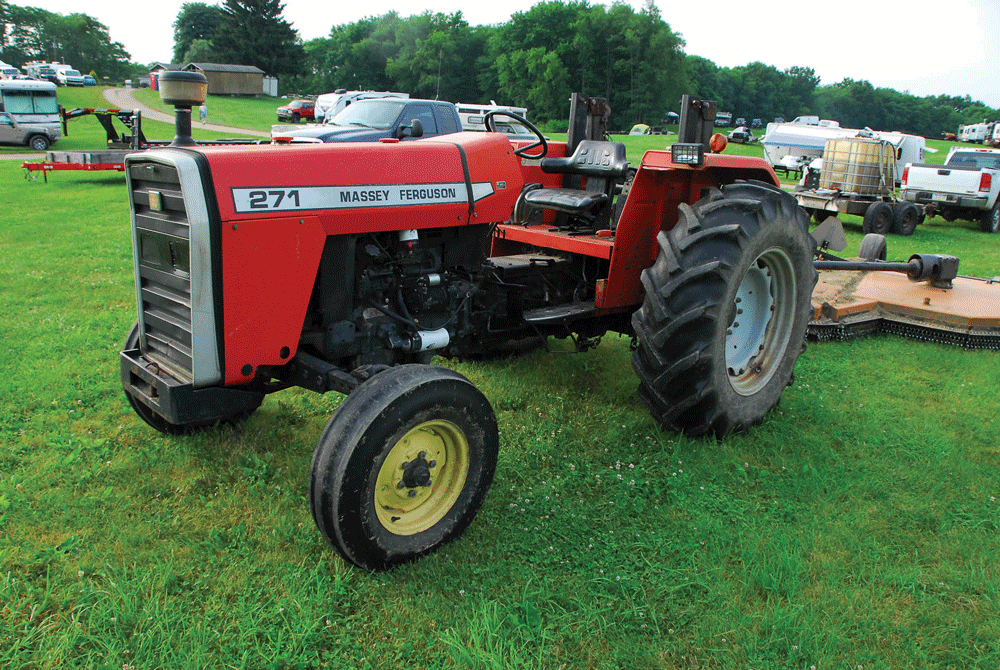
x,y
603,164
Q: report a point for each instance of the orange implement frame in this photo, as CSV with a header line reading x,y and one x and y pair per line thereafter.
x,y
847,304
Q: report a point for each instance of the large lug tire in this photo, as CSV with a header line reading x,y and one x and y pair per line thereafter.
x,y
873,247
725,313
403,466
158,422
990,221
878,218
905,218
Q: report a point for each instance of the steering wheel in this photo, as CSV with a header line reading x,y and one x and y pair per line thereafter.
x,y
523,151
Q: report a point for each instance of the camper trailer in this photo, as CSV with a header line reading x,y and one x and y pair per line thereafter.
x,y
473,117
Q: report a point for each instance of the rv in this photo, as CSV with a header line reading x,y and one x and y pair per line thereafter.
x,y
32,103
786,144
329,105
976,132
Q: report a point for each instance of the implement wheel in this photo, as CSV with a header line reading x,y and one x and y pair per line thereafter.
x,y
403,466
873,247
725,313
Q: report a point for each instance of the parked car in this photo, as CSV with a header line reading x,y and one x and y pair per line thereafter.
x,y
740,121
89,80
756,123
378,118
296,110
742,135
12,132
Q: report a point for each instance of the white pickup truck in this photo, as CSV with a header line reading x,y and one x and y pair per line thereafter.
x,y
965,187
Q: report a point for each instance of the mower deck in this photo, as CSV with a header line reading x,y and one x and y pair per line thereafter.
x,y
849,304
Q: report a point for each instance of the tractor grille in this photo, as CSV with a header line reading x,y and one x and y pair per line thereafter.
x,y
163,265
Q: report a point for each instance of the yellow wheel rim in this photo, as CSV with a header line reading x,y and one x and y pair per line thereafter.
x,y
422,477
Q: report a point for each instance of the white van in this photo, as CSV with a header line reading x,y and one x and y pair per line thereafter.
x,y
329,105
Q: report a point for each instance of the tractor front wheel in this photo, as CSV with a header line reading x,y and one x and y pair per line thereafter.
x,y
403,466
726,308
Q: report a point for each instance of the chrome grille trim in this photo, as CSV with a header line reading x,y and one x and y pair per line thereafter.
x,y
172,255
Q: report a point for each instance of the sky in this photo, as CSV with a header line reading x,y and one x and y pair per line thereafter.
x,y
924,47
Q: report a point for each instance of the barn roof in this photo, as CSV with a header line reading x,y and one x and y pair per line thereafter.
x,y
218,67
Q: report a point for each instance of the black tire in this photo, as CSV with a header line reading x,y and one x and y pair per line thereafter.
x,y
878,218
158,422
364,475
990,221
699,372
873,247
39,142
905,218
295,117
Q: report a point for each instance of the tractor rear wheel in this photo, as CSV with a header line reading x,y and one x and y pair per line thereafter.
x,y
725,312
403,466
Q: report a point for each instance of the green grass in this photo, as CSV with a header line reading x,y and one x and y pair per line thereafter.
x,y
855,527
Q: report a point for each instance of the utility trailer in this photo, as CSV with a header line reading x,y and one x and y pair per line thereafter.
x,y
857,177
119,143
345,267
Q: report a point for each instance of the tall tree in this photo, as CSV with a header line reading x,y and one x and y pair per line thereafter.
x,y
253,32
195,21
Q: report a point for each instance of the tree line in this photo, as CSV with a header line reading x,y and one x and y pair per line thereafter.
x,y
536,60
29,34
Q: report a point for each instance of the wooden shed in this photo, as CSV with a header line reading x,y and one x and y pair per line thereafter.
x,y
230,79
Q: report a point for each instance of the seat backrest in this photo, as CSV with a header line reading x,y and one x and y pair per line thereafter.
x,y
591,159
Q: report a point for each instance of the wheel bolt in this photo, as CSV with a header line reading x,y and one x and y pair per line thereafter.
x,y
404,465
400,485
413,493
422,454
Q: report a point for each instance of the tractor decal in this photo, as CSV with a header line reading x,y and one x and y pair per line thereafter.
x,y
295,198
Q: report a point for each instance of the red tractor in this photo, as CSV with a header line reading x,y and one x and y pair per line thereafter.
x,y
345,267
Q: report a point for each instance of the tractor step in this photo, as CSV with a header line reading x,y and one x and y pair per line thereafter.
x,y
560,313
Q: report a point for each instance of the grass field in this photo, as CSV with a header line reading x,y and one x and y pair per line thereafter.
x,y
855,528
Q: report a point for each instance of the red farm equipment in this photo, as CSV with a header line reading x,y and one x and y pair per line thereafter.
x,y
345,267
